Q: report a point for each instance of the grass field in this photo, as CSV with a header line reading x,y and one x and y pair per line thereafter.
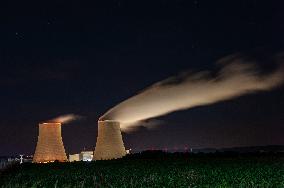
x,y
164,170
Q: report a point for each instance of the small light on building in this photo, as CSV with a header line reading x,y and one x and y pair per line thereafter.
x,y
128,151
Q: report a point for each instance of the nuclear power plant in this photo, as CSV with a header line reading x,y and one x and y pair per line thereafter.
x,y
49,146
109,141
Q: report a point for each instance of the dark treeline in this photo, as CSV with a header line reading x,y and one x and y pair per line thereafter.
x,y
159,154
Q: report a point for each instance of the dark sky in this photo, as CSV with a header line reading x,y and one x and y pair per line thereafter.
x,y
76,57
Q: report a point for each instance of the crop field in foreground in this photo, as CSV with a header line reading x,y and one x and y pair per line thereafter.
x,y
163,170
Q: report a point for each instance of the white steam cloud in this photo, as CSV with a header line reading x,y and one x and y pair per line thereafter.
x,y
66,118
236,77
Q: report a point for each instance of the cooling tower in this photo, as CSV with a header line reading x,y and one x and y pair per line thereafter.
x,y
49,145
109,141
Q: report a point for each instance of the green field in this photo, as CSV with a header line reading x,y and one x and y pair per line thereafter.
x,y
159,171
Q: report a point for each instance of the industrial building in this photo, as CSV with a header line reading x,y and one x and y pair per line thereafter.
x,y
83,156
49,146
86,156
109,141
74,157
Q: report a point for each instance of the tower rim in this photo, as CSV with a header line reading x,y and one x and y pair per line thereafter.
x,y
107,120
46,123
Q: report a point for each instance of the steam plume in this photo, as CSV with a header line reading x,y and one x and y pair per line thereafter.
x,y
65,118
235,78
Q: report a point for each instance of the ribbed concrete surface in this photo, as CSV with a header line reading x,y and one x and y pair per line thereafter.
x,y
109,141
49,145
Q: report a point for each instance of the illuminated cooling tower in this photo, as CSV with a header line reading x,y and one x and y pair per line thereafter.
x,y
109,141
49,145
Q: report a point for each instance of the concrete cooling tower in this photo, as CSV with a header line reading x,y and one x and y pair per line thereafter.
x,y
109,141
49,146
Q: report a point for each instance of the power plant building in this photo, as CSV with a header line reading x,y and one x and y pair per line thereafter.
x,y
109,141
74,157
49,146
83,156
86,155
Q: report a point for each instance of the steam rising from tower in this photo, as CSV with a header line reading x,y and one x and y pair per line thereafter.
x,y
236,77
65,118
50,145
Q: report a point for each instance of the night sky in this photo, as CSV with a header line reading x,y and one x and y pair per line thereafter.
x,y
81,58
